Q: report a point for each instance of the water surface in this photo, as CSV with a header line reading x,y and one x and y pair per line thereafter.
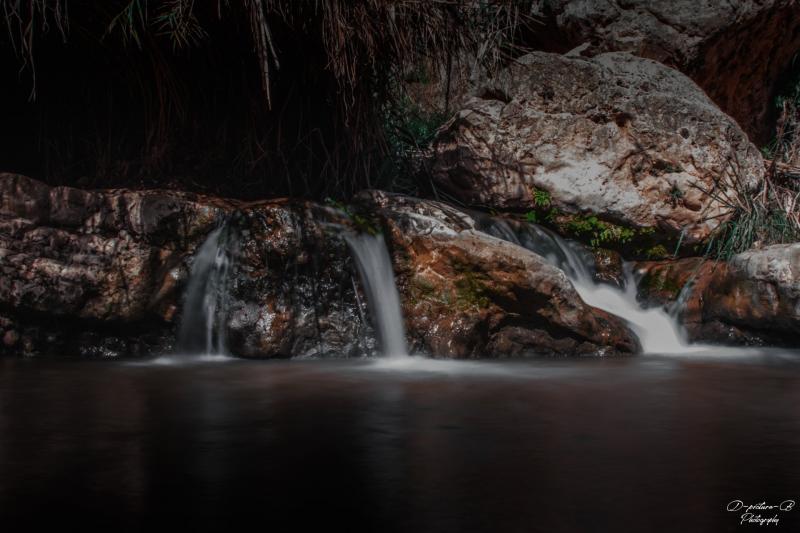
x,y
638,444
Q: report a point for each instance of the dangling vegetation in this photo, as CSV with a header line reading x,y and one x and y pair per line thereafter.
x,y
242,97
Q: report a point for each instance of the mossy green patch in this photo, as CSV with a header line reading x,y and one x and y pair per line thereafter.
x,y
659,281
362,222
659,251
470,287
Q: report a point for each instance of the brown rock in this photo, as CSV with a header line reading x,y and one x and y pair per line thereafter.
x,y
102,272
753,298
467,294
98,270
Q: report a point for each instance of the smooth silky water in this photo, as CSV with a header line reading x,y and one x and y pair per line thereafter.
x,y
658,329
377,278
207,299
634,444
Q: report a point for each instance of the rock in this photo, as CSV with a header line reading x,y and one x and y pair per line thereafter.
x,y
754,298
467,294
101,274
738,51
623,137
608,267
761,291
293,291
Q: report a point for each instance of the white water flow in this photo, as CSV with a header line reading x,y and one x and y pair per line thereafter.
x,y
377,278
658,330
205,306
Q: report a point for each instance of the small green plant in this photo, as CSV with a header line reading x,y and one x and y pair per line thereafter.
x,y
543,210
656,252
599,232
541,198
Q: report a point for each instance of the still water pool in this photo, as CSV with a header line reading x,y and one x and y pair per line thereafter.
x,y
639,444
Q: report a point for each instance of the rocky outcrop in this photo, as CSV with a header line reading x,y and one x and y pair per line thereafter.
x,y
467,294
626,138
102,273
737,50
753,299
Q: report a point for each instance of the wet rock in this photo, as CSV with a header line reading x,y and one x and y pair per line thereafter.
x,y
753,299
294,289
101,274
608,267
623,137
467,294
737,51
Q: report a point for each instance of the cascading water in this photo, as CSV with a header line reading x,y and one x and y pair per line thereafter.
x,y
206,302
377,277
658,331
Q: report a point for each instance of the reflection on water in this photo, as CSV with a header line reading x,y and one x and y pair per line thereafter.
x,y
639,444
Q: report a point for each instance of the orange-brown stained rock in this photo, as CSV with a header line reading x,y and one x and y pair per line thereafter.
x,y
467,294
753,298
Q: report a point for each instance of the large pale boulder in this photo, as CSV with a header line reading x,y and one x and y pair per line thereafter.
x,y
624,137
753,298
737,50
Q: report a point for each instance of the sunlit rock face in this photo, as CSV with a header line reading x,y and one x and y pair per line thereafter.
x,y
624,137
736,50
753,299
467,294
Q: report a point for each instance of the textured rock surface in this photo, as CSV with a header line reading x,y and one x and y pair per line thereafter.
x,y
618,135
101,273
736,50
753,299
467,294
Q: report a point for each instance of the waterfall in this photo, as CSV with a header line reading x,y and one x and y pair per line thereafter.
x,y
377,278
658,330
206,300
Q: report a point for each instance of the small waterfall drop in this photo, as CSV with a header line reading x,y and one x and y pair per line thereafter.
x,y
207,299
377,277
658,330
